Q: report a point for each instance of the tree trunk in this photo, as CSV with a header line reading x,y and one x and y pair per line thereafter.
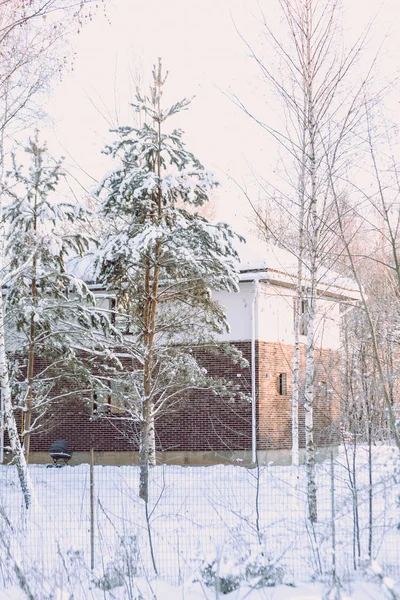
x,y
147,433
295,376
152,274
26,424
9,418
144,462
370,481
298,313
309,415
147,452
11,425
312,269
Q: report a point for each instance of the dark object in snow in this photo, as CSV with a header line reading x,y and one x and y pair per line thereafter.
x,y
59,452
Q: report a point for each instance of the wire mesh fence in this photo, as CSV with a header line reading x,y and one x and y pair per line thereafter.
x,y
202,519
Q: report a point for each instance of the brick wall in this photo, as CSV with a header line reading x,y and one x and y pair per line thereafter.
x,y
206,422
70,417
275,410
203,421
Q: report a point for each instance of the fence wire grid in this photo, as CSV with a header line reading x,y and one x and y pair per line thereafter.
x,y
91,517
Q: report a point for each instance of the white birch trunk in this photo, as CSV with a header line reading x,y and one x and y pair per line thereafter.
x,y
309,411
310,358
310,344
9,418
152,441
298,307
313,235
295,379
311,315
144,464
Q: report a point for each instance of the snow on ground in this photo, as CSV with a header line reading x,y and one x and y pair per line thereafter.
x,y
358,590
222,527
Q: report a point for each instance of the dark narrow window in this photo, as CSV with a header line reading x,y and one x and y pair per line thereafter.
x,y
113,308
118,318
94,404
282,384
101,401
303,317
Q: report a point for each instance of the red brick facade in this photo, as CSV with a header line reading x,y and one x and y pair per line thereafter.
x,y
204,422
275,408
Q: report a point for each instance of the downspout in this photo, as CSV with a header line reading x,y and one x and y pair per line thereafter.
x,y
1,430
253,372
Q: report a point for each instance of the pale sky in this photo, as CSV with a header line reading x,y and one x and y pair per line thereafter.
x,y
206,58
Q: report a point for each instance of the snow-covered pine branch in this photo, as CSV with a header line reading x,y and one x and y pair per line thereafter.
x,y
162,257
52,313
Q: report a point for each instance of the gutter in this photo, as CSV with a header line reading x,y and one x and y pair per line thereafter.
x,y
254,332
1,430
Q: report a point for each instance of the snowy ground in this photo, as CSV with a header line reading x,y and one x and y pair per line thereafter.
x,y
213,528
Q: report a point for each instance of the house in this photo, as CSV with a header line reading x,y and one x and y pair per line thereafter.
x,y
206,428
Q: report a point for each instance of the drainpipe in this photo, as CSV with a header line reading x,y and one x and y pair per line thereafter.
x,y
253,372
1,430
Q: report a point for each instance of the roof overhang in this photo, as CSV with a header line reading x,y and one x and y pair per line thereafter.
x,y
338,290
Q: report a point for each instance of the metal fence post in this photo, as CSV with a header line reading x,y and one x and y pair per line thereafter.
x,y
91,506
333,530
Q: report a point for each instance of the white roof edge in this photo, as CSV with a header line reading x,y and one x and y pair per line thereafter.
x,y
275,277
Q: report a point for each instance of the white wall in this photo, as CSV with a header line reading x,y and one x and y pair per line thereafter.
x,y
274,319
275,315
238,307
328,324
14,339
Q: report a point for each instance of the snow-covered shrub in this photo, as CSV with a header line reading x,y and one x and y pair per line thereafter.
x,y
261,571
70,570
234,567
387,583
223,576
112,578
125,567
128,557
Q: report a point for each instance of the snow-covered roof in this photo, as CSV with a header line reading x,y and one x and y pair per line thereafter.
x,y
257,258
82,267
280,266
257,255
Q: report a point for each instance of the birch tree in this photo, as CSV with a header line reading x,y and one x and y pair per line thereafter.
x,y
31,34
375,202
162,258
319,91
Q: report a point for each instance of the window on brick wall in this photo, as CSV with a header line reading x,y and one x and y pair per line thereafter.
x,y
114,400
282,384
100,402
121,396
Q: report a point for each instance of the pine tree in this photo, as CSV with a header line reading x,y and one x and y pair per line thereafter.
x,y
31,54
162,259
51,313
